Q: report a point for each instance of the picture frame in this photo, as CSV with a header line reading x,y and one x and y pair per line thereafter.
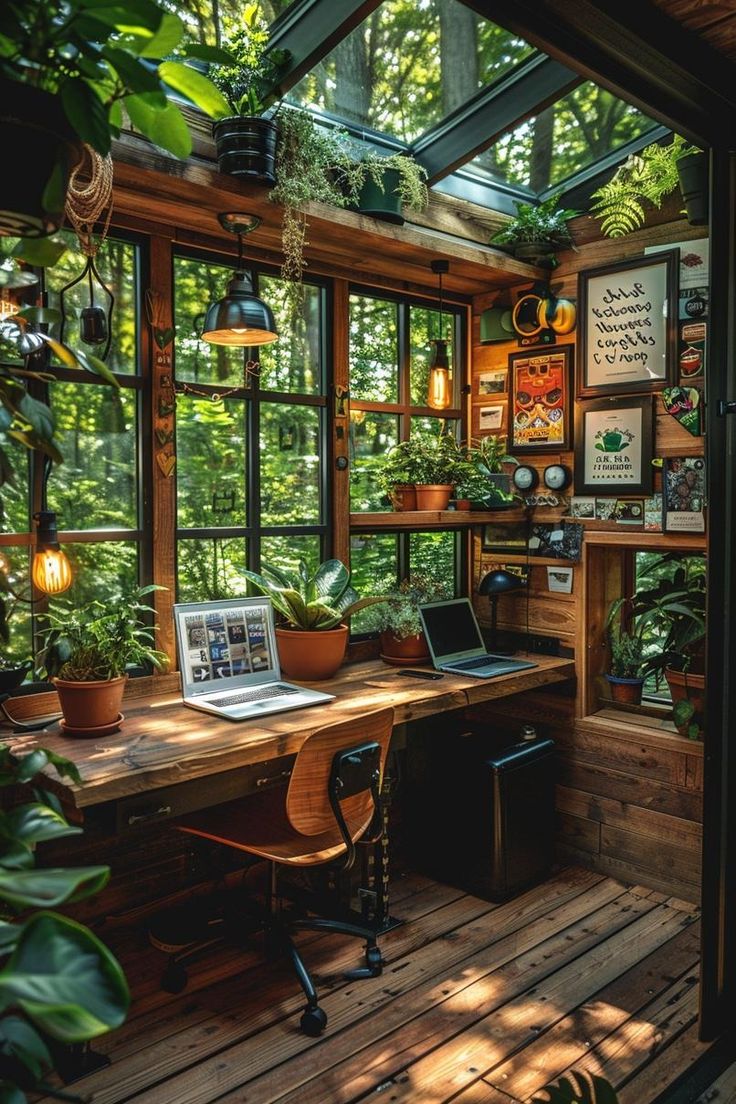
x,y
540,399
628,326
614,439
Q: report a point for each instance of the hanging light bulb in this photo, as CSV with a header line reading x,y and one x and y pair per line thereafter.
x,y
240,318
440,383
51,571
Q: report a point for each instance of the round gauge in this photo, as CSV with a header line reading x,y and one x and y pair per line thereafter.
x,y
525,478
556,477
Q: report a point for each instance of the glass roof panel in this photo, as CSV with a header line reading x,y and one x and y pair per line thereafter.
x,y
574,132
408,65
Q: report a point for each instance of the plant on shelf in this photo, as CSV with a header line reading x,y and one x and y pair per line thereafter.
x,y
245,139
646,179
432,463
381,186
67,71
87,653
577,1087
59,985
308,603
625,673
483,482
398,621
538,232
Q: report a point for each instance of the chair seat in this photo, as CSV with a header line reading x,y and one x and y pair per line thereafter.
x,y
259,825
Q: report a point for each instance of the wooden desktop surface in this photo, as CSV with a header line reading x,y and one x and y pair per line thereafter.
x,y
162,743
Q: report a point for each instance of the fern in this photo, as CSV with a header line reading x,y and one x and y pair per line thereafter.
x,y
644,178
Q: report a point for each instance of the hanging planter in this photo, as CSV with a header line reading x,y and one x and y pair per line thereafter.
x,y
246,148
42,150
381,200
692,171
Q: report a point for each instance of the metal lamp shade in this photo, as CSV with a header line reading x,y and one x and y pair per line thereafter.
x,y
241,318
499,582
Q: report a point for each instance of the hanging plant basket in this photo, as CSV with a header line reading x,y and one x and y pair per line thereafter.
x,y
40,149
693,175
246,148
382,201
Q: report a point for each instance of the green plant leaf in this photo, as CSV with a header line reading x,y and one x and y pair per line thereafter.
x,y
35,823
96,366
214,54
40,315
29,765
38,415
65,979
9,934
86,112
165,128
21,1040
331,579
44,888
41,252
15,856
136,75
197,88
165,40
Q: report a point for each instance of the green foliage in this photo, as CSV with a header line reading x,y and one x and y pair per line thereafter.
x,y
57,980
545,222
578,1087
435,458
311,601
627,654
644,178
249,83
95,57
399,615
98,642
673,609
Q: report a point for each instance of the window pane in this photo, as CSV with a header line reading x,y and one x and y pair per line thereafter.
x,y
371,436
424,327
285,552
211,462
408,65
294,362
433,426
14,512
196,285
16,593
374,350
95,487
290,456
209,569
433,555
103,572
374,563
116,262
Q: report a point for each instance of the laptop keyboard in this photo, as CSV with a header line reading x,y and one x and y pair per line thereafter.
x,y
259,694
473,664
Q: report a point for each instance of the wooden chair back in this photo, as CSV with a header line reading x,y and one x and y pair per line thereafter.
x,y
307,800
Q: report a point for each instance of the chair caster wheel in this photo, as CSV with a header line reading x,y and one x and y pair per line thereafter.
x,y
374,961
174,978
313,1021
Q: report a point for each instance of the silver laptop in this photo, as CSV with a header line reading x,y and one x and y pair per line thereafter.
x,y
229,661
456,644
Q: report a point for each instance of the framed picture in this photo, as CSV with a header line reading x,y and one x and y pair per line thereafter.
x,y
539,401
613,446
490,418
628,326
683,484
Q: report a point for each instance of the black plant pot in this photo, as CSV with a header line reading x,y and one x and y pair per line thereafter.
x,y
246,147
541,253
693,174
40,150
382,201
12,677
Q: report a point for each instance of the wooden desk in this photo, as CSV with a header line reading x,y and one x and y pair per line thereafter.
x,y
168,760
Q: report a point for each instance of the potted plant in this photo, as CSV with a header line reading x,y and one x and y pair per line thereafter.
x,y
311,602
397,474
438,463
397,620
59,984
245,138
381,186
646,178
482,482
537,233
66,72
625,671
87,654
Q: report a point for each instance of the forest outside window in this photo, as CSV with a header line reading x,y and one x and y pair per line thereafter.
x,y
250,437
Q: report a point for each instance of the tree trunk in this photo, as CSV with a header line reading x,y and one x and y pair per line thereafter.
x,y
353,80
459,55
540,167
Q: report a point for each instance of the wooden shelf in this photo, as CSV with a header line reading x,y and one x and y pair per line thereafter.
x,y
432,519
639,538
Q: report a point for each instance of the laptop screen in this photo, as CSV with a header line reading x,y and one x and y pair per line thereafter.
x,y
451,628
225,643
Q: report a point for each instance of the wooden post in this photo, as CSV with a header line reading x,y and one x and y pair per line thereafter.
x,y
340,417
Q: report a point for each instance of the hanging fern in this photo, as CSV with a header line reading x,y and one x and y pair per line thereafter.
x,y
644,178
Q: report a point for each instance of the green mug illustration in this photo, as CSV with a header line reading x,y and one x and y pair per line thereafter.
x,y
613,440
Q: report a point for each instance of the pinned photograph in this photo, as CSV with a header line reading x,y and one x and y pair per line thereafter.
x,y
605,509
653,513
559,579
490,417
629,511
493,382
683,480
582,506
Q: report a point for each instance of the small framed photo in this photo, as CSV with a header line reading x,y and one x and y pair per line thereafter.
x,y
653,513
493,382
605,509
613,446
683,483
582,506
559,579
628,326
629,511
539,403
490,418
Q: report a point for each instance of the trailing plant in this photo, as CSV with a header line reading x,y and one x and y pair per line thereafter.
x,y
358,165
57,980
578,1087
545,222
249,82
484,459
99,641
644,178
100,59
311,602
399,614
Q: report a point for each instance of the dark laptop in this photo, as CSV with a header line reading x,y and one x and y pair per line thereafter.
x,y
456,644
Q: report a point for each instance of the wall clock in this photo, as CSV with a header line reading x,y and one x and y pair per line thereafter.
x,y
525,478
556,477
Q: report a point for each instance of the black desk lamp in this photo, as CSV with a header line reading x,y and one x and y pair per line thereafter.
x,y
493,584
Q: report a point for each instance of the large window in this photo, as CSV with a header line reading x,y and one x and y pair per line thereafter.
x,y
670,591
97,490
250,437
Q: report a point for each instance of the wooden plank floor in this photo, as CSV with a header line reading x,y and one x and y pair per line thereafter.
x,y
479,1004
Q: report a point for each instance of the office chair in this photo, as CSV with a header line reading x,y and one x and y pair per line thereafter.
x,y
332,802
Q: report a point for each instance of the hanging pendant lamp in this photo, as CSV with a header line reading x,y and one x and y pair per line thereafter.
x,y
240,318
51,571
440,384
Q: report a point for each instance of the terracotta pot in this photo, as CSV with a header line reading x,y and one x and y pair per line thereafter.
x,y
411,649
627,691
433,496
311,656
686,685
462,503
404,496
90,704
